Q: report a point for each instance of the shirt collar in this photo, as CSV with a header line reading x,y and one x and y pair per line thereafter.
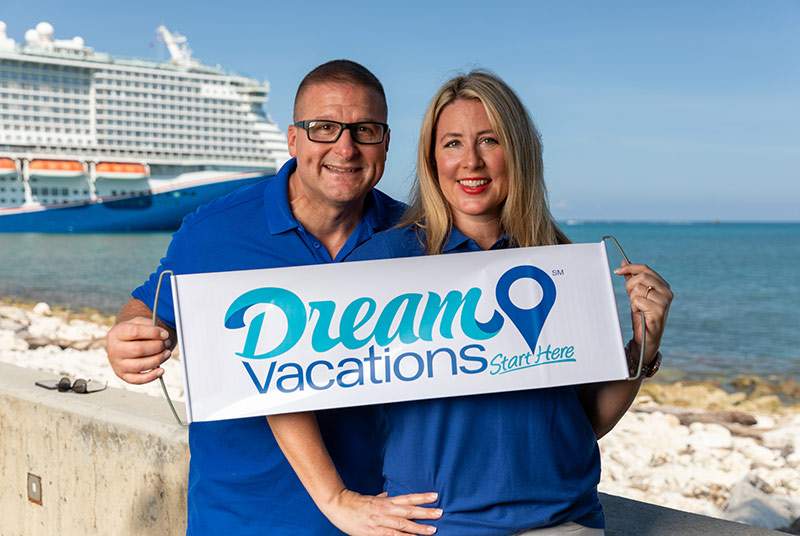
x,y
459,241
375,212
279,213
276,200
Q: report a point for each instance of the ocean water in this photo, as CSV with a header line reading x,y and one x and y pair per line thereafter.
x,y
736,285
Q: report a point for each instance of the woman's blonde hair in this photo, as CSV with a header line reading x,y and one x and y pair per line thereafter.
x,y
525,217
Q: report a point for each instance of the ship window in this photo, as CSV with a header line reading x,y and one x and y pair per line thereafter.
x,y
35,191
45,190
65,191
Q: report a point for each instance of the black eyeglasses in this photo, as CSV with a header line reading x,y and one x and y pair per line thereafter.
x,y
325,131
79,386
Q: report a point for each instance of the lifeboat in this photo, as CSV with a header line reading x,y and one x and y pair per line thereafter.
x,y
8,167
121,170
56,168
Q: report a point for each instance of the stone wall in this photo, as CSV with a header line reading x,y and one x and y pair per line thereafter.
x,y
110,463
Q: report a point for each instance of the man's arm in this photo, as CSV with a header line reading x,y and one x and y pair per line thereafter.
x,y
300,440
135,347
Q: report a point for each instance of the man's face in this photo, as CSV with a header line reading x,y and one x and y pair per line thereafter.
x,y
340,173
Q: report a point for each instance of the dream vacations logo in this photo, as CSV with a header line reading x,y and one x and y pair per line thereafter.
x,y
408,318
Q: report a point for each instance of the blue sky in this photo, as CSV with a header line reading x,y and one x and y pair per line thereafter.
x,y
649,110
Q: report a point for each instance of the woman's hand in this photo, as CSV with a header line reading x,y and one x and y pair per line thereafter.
x,y
381,515
650,294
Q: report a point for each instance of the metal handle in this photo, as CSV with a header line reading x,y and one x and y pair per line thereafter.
x,y
155,323
641,314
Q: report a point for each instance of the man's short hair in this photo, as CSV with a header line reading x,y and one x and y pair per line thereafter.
x,y
342,72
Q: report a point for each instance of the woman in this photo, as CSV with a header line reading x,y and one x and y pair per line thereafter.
x,y
503,463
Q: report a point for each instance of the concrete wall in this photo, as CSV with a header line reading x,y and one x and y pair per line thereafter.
x,y
111,463
115,463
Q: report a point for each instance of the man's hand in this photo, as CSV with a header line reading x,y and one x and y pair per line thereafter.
x,y
368,515
136,348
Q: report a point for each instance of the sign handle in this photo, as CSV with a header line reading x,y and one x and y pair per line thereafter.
x,y
155,322
641,314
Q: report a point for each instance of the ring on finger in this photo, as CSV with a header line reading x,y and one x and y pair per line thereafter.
x,y
649,288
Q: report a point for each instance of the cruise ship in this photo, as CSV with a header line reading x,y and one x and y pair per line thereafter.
x,y
95,143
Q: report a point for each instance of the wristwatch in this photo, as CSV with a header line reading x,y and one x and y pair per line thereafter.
x,y
648,371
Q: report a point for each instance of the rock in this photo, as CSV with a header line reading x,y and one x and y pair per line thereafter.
x,y
700,395
784,481
10,341
37,342
42,309
783,438
78,345
11,325
764,422
762,456
44,326
13,313
794,528
709,436
735,462
790,387
100,344
764,404
747,504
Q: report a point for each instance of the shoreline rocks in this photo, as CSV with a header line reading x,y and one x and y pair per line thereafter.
x,y
699,448
64,343
728,450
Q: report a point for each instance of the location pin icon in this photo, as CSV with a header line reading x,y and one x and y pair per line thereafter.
x,y
529,322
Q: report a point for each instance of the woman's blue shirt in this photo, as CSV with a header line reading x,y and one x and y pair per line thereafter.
x,y
502,462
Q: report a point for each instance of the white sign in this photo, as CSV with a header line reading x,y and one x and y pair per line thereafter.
x,y
261,342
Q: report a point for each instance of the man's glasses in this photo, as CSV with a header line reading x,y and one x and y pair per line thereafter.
x,y
324,131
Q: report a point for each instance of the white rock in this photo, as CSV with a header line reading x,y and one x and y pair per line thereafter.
x,y
42,308
747,504
741,443
793,459
44,326
783,480
680,502
735,462
782,438
764,422
13,313
709,436
9,341
11,325
628,458
762,456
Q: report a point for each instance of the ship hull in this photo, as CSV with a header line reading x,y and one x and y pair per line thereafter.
x,y
162,211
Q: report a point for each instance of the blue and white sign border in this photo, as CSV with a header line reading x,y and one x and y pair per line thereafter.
x,y
259,342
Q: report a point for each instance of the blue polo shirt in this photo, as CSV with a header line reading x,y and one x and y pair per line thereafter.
x,y
501,463
239,481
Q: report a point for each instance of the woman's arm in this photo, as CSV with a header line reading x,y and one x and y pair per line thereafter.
x,y
605,403
300,440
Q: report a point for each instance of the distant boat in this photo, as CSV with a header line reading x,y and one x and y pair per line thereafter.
x,y
93,143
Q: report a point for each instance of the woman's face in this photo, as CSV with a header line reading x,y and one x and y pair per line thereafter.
x,y
470,161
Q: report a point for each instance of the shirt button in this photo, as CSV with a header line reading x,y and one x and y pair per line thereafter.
x,y
316,245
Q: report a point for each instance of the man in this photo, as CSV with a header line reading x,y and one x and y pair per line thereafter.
x,y
317,209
